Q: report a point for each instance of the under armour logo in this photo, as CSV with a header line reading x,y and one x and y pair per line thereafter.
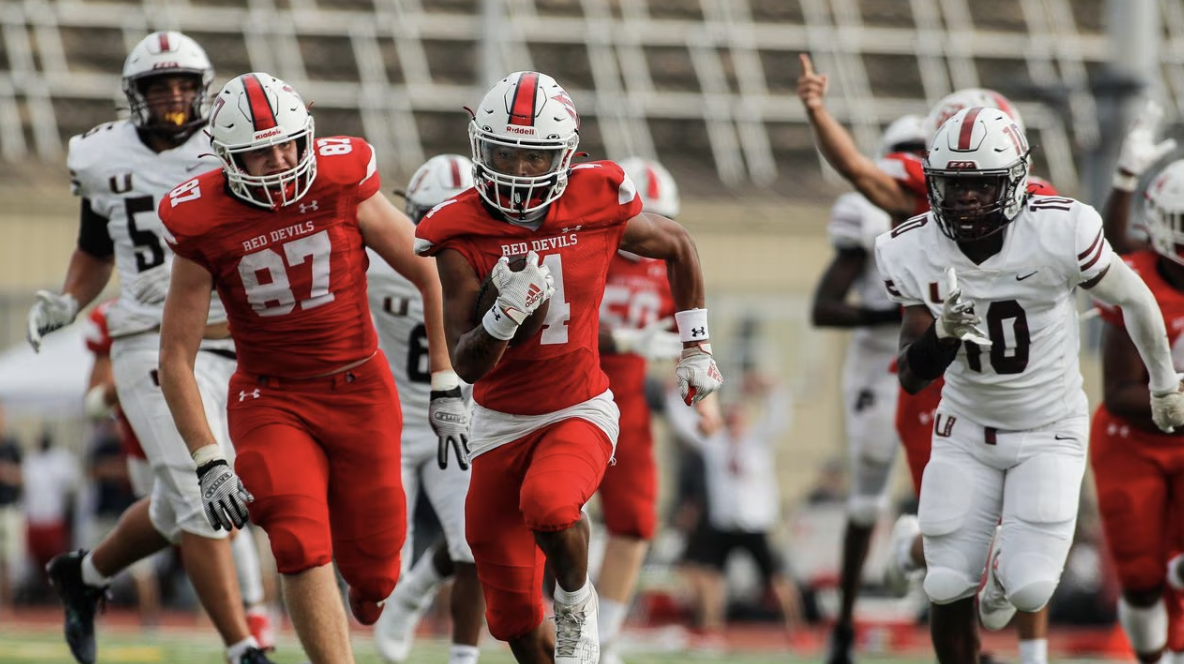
x,y
309,207
243,394
698,331
570,230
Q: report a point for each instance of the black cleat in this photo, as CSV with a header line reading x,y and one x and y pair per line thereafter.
x,y
80,602
254,656
842,643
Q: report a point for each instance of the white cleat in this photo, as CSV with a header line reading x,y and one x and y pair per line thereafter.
x,y
900,573
994,609
577,635
395,630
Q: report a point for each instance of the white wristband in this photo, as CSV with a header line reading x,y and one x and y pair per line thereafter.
x,y
498,324
692,325
206,454
442,381
1124,181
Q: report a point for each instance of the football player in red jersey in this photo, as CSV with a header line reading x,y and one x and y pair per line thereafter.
x,y
1138,470
544,423
896,184
280,231
635,322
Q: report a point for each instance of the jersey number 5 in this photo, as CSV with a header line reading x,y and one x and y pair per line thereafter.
x,y
273,296
1011,344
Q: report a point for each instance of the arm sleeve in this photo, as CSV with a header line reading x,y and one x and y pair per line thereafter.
x,y
1094,254
1121,287
93,237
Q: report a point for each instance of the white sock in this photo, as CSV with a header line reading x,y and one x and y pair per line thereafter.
x,y
1034,651
460,654
1145,627
92,576
246,564
1173,576
612,617
421,581
235,652
574,597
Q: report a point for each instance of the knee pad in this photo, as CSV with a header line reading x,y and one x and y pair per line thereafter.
x,y
298,542
636,521
945,501
1146,627
371,565
548,508
863,511
945,586
1030,580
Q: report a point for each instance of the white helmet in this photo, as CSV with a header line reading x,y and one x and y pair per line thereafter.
x,y
437,180
167,54
659,192
255,111
969,98
983,146
524,111
905,134
1164,211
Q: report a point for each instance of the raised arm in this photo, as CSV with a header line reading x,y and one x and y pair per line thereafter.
x,y
839,149
1139,152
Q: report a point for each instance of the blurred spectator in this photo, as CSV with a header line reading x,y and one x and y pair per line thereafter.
x,y
743,501
12,519
51,476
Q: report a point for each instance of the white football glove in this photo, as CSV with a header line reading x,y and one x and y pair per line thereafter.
x,y
653,342
51,311
152,285
521,293
1139,149
1167,408
698,376
958,319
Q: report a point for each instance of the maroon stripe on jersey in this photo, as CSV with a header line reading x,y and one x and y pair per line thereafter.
x,y
1095,243
455,171
1097,253
967,128
522,107
652,187
261,113
164,42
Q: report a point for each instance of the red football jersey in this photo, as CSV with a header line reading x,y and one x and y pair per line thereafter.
x,y
560,366
293,280
1171,301
98,341
908,169
637,293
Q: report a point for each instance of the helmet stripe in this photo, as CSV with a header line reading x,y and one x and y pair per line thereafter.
x,y
525,92
261,114
652,187
455,172
164,42
967,129
1002,103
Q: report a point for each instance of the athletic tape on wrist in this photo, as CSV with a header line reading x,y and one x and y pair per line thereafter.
x,y
206,454
498,324
1124,181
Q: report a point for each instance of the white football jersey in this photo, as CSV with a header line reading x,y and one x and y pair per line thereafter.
x,y
854,224
124,180
1025,294
397,307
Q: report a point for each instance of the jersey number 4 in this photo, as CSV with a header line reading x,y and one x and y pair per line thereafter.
x,y
1011,341
273,296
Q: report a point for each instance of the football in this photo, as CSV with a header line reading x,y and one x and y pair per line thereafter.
x,y
487,295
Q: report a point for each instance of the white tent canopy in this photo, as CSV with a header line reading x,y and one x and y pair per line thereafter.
x,y
52,382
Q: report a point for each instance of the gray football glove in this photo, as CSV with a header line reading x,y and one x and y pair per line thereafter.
x,y
448,413
223,495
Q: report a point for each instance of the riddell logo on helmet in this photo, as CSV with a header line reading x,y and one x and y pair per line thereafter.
x,y
515,129
962,166
167,65
269,133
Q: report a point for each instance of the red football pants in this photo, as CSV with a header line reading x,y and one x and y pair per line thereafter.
x,y
914,425
629,490
321,457
537,483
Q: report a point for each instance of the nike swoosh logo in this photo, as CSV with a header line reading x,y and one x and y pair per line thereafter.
x,y
1019,278
1060,437
190,169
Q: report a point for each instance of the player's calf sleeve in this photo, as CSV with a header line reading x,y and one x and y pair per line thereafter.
x,y
246,565
1146,627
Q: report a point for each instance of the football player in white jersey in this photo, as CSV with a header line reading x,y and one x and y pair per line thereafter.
x,y
120,170
398,316
869,384
988,280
